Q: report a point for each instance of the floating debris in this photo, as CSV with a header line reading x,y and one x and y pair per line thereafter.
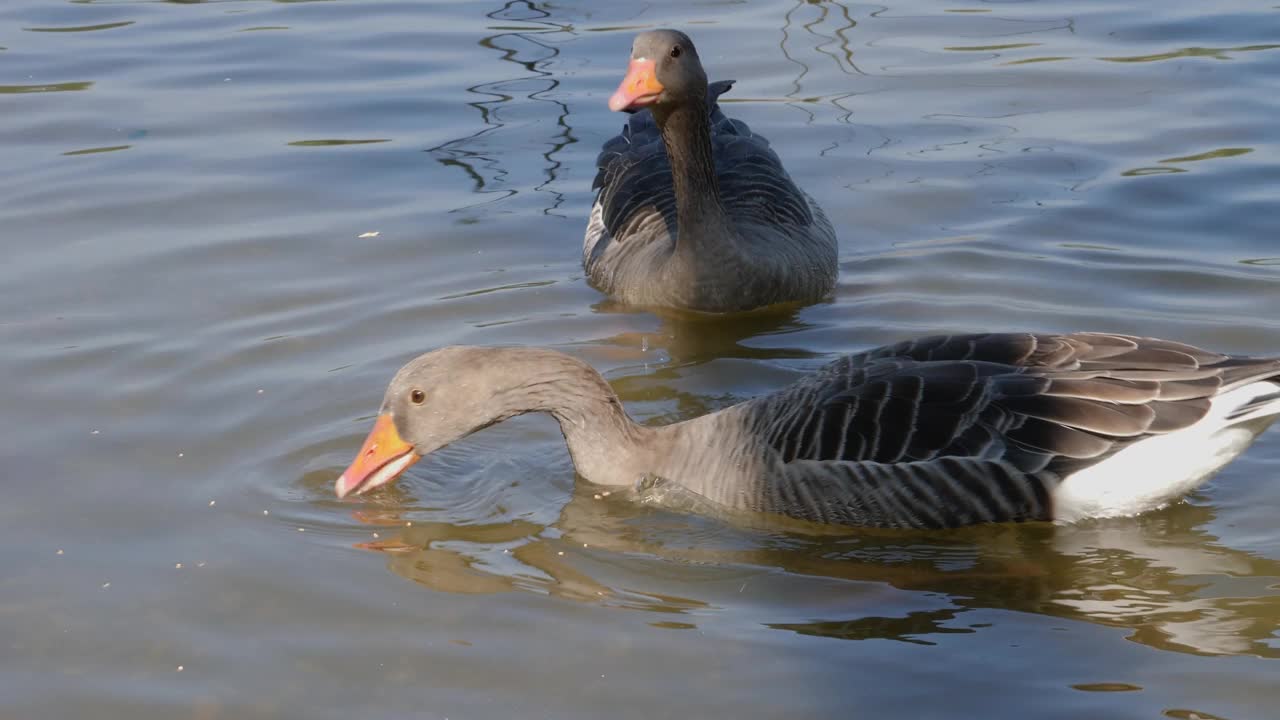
x,y
177,566
179,668
59,551
106,585
370,234
212,503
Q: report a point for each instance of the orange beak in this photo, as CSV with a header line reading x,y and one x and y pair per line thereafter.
x,y
383,457
639,88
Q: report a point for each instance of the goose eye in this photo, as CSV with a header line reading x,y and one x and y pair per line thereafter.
x,y
418,397
675,51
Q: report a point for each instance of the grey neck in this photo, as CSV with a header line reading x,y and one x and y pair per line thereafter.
x,y
686,134
607,447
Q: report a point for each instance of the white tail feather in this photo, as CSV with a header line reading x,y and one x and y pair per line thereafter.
x,y
1159,469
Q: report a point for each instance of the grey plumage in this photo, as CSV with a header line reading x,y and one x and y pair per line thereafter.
x,y
935,432
992,423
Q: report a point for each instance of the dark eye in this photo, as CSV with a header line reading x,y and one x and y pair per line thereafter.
x,y
675,51
418,397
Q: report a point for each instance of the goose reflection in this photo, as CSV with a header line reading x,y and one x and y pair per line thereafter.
x,y
1160,576
692,338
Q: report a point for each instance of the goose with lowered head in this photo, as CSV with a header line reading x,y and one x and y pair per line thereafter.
x,y
693,210
938,432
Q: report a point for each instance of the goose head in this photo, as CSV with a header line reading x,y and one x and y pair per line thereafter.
x,y
664,71
432,401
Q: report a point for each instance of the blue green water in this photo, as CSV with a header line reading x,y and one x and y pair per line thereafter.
x,y
225,224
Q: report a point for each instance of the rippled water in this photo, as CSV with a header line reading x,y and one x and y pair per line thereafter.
x,y
197,323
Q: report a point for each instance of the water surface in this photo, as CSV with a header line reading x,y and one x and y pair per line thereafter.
x,y
227,223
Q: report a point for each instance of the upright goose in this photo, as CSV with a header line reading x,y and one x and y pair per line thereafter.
x,y
938,432
694,211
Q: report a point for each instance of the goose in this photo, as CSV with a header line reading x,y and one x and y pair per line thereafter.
x,y
937,432
694,211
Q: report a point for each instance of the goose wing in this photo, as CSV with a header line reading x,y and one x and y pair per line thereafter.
x,y
952,430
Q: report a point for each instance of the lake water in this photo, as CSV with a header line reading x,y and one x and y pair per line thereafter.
x,y
197,323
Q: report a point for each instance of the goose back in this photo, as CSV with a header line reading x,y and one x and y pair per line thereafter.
x,y
784,246
952,430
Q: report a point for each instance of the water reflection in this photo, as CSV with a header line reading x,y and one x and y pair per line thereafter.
x,y
49,87
1160,576
1222,53
533,49
1210,155
329,142
682,338
81,28
835,45
1166,167
96,150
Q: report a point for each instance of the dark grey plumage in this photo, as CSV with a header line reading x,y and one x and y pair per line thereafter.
x,y
742,236
951,430
633,177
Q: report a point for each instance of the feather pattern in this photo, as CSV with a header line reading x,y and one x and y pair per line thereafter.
x,y
779,247
949,430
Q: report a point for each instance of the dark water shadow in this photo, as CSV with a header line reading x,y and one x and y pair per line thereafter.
x,y
533,50
691,338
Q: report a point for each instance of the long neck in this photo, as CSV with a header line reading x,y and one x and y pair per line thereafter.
x,y
607,447
686,133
